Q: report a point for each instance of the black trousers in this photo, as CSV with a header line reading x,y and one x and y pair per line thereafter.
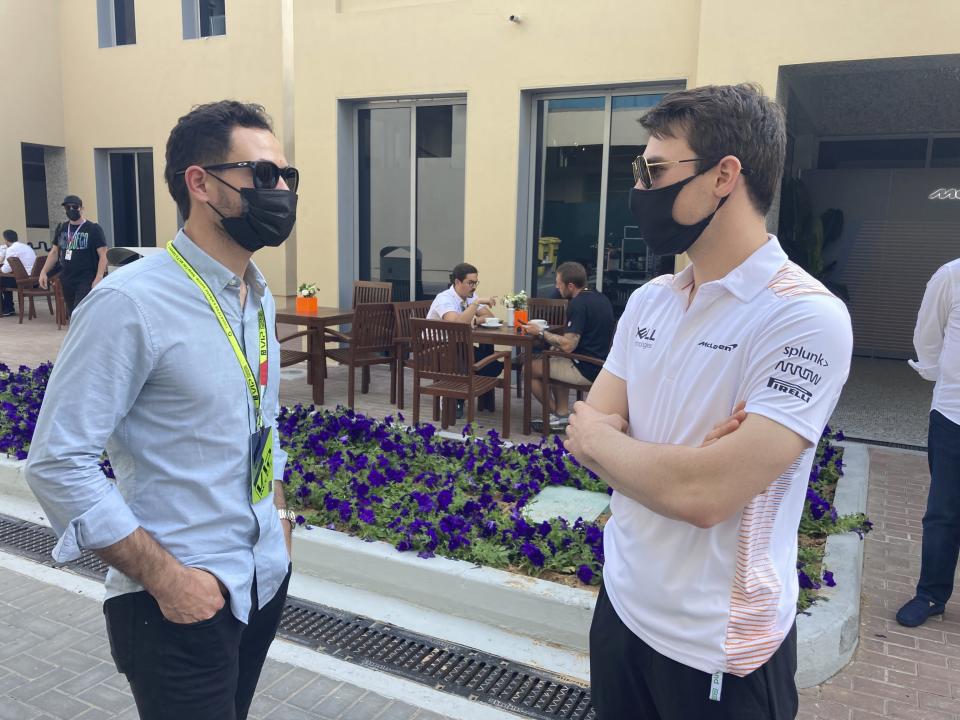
x,y
629,679
74,290
8,285
941,522
201,671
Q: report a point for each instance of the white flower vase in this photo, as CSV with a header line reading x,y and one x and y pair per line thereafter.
x,y
510,317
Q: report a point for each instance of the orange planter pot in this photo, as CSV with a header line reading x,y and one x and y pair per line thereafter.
x,y
520,317
306,304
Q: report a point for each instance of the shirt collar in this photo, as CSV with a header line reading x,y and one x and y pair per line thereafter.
x,y
214,274
751,276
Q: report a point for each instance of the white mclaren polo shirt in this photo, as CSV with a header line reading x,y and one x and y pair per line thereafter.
x,y
722,599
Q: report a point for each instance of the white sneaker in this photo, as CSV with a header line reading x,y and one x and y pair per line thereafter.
x,y
559,422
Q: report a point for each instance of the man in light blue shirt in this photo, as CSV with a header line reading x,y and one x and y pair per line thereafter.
x,y
172,365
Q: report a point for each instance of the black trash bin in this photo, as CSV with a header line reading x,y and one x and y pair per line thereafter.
x,y
395,268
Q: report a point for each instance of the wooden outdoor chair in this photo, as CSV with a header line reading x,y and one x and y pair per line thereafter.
x,y
365,291
443,354
547,381
59,303
295,355
28,285
553,311
403,312
370,342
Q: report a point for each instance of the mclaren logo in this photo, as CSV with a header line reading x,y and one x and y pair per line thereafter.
x,y
945,194
789,388
717,346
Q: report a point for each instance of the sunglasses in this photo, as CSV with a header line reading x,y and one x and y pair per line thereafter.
x,y
266,174
646,173
71,207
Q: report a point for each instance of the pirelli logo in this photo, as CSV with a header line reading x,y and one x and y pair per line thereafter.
x,y
790,389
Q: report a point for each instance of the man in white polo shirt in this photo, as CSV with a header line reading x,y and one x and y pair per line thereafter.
x,y
696,615
460,303
26,255
937,342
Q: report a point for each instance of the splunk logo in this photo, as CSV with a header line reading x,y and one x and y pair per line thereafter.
x,y
645,337
801,353
944,194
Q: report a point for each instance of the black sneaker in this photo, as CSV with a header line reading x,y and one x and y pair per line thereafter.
x,y
918,611
8,313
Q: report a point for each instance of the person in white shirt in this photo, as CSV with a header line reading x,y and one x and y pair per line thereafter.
x,y
937,342
23,252
460,303
696,615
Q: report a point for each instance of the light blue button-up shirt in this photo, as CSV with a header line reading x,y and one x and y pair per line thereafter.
x,y
147,373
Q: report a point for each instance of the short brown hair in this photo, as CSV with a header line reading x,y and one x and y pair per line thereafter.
x,y
573,273
461,271
720,120
202,137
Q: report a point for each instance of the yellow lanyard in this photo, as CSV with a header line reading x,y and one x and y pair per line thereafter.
x,y
256,391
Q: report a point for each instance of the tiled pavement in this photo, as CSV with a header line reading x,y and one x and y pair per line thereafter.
x,y
55,663
897,672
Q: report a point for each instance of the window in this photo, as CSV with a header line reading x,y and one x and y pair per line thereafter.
x,y
116,22
131,198
204,18
34,186
585,144
410,159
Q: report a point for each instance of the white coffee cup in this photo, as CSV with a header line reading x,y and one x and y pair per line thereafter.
x,y
542,324
492,322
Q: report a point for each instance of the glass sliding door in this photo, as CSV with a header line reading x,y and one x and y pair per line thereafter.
x,y
627,264
383,196
133,213
410,195
570,159
584,148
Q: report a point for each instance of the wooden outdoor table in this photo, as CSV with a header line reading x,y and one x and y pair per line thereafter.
x,y
507,335
319,321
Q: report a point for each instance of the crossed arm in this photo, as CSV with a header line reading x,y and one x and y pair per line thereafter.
x,y
702,486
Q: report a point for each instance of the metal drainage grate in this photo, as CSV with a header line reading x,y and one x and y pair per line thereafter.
x,y
887,443
444,666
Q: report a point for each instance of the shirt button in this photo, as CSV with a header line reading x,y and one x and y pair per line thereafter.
x,y
234,282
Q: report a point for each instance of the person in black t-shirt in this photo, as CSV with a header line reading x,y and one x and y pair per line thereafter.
x,y
80,247
589,331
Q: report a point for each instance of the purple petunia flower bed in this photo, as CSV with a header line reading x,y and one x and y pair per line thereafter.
x,y
459,498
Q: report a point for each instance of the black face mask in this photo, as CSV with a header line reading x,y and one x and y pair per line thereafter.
x,y
653,211
73,214
267,219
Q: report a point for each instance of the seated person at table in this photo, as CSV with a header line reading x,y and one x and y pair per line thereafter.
x,y
13,249
460,303
589,331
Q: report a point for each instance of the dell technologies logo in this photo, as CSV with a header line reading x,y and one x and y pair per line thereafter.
x,y
645,337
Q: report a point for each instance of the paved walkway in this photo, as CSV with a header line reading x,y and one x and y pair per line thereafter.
x,y
897,672
55,663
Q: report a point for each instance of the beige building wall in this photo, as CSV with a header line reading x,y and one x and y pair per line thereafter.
x,y
33,104
379,49
369,49
130,96
90,98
